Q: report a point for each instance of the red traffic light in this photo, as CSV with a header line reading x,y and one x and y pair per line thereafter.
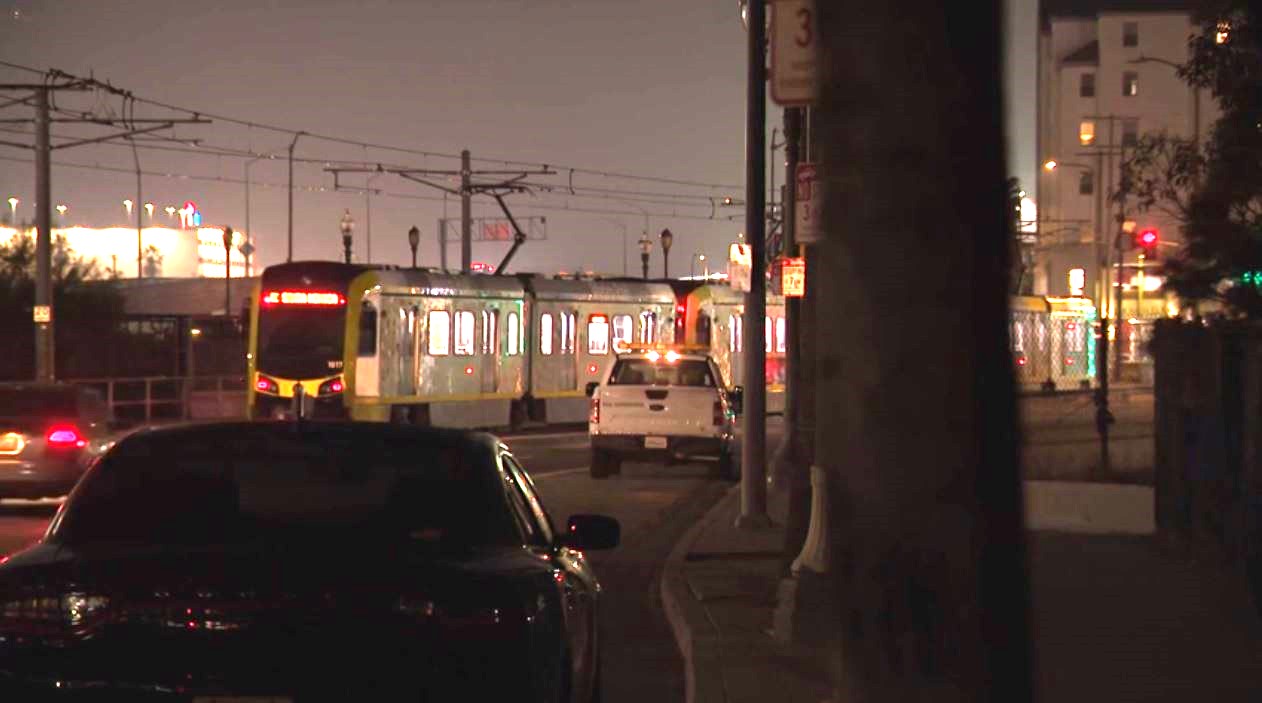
x,y
1147,239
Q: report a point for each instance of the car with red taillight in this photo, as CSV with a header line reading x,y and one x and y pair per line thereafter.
x,y
49,433
300,561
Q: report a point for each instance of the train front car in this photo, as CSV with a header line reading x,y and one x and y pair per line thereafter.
x,y
298,339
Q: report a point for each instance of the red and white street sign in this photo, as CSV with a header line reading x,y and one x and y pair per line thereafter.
x,y
806,215
794,53
793,277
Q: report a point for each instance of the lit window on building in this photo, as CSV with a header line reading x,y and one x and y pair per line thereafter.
x,y
1086,132
1086,183
1130,34
1130,132
1130,84
1086,85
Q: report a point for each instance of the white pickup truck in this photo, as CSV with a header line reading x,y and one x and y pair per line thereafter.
x,y
663,404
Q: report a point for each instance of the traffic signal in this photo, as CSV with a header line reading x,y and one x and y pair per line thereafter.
x,y
1147,240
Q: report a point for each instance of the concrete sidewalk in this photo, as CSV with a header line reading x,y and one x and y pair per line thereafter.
x,y
1115,618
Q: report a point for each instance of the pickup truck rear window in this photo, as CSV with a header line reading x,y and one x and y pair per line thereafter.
x,y
642,372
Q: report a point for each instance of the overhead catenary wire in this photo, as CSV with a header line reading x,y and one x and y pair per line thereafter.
x,y
602,173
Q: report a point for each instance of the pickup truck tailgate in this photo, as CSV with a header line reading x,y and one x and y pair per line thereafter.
x,y
652,410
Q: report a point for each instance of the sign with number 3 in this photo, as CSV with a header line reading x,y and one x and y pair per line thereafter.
x,y
794,53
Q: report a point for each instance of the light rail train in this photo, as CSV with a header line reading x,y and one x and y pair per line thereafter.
x,y
433,348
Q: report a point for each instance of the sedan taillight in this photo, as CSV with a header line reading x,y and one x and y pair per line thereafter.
x,y
65,437
52,616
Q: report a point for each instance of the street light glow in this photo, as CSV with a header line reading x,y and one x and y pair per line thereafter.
x,y
1050,165
127,204
61,210
13,205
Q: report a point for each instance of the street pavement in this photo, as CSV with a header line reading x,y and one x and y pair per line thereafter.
x,y
1115,617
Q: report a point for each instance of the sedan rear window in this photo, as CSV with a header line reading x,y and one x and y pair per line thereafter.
x,y
249,484
643,372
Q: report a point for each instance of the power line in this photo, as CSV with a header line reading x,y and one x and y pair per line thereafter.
x,y
573,170
550,207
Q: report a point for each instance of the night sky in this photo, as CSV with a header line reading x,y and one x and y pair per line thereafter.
x,y
652,87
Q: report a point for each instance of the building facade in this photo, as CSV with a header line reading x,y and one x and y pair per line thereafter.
x,y
162,252
1106,75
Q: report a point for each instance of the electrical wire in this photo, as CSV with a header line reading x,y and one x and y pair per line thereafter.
x,y
603,173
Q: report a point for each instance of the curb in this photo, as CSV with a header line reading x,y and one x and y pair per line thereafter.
x,y
695,635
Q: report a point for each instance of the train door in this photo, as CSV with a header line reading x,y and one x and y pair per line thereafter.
x,y
406,340
490,350
367,366
569,336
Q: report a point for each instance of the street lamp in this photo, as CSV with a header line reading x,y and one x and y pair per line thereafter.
x,y
646,248
127,204
227,271
61,210
13,209
667,239
170,211
348,225
149,210
705,268
414,239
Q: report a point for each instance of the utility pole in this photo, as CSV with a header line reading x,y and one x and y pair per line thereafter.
x,y
227,271
786,464
40,97
754,446
466,213
289,256
44,366
140,213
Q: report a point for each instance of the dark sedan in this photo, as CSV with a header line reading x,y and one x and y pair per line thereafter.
x,y
49,433
304,561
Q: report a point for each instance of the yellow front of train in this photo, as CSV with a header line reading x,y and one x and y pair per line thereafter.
x,y
298,341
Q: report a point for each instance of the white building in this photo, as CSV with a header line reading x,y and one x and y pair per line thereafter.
x,y
165,252
1106,75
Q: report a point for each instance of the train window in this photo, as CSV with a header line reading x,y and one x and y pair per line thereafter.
x,y
736,333
565,332
571,332
648,327
703,330
598,334
1018,336
622,332
545,334
367,329
513,332
490,319
439,333
1074,337
464,333
766,333
780,340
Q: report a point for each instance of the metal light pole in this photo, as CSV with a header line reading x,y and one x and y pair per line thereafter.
x,y
754,446
227,271
347,225
667,239
646,248
289,256
368,215
414,240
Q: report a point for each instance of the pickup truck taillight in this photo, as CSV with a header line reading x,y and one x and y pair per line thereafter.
x,y
595,416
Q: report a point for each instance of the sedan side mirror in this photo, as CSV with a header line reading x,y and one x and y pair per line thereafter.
x,y
591,532
591,388
736,397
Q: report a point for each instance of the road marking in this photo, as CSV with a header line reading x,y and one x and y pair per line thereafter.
x,y
552,435
562,472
